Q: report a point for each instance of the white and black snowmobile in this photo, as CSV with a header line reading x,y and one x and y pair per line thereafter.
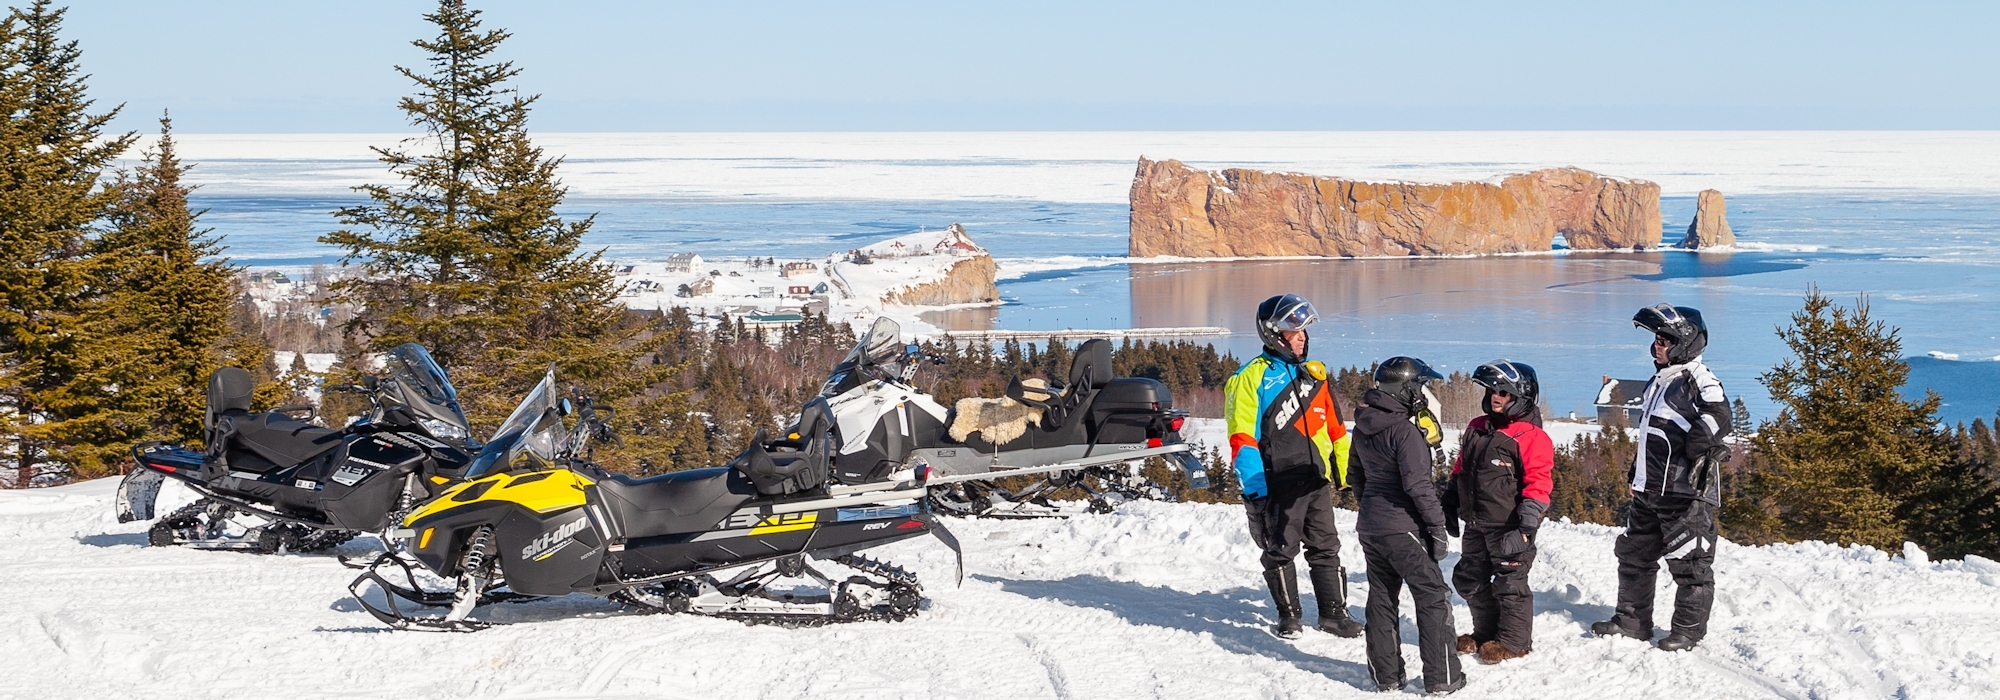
x,y
1093,431
536,518
271,482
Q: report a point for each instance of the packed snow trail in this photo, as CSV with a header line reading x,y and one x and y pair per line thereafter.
x,y
1156,600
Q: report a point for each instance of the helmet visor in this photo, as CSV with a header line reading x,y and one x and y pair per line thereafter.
x,y
1656,317
1295,318
1497,375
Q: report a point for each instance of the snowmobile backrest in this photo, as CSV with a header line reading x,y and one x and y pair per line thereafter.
x,y
783,472
1091,369
1089,372
229,389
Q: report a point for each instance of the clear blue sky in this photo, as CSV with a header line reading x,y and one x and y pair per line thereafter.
x,y
268,66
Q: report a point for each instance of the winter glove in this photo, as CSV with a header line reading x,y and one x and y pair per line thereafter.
x,y
1451,521
1530,514
1708,470
1513,544
1438,545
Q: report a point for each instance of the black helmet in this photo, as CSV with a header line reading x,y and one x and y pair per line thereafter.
x,y
1285,312
1680,324
1515,378
1404,378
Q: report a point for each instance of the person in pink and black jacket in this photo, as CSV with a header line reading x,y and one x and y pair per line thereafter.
x,y
1499,488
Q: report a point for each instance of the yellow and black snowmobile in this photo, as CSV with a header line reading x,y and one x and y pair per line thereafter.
x,y
536,518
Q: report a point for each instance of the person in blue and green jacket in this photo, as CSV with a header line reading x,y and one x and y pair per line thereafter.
x,y
1289,449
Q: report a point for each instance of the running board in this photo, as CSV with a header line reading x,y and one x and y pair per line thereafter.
x,y
1083,463
841,491
843,495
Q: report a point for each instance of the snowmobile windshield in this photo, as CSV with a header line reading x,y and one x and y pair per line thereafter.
x,y
418,383
878,355
534,428
882,347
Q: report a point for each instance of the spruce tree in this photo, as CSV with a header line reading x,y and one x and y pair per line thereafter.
x,y
466,255
154,328
52,151
1847,454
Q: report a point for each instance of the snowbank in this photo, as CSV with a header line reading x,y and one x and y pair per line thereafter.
x,y
1156,600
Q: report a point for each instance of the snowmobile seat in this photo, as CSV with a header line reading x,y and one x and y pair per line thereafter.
x,y
674,502
282,439
256,442
782,472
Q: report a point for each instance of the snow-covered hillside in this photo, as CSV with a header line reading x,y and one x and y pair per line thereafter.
x,y
855,285
1156,600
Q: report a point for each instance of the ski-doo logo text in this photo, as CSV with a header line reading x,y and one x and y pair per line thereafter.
x,y
1288,409
549,541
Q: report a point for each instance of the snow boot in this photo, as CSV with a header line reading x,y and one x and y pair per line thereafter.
x,y
1330,589
1494,652
1284,583
1467,645
1445,689
1607,628
1678,641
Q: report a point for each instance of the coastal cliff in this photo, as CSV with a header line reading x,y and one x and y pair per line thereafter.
x,y
933,268
968,281
1185,212
1711,223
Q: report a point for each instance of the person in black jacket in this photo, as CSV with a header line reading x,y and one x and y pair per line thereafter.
x,y
1401,525
1676,484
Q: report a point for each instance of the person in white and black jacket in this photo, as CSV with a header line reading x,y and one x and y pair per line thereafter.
x,y
1401,524
1676,484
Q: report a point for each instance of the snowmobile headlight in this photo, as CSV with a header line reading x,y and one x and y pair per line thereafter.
x,y
441,429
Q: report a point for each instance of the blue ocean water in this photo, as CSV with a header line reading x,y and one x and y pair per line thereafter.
x,y
1926,263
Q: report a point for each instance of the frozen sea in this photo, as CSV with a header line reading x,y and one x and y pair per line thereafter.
x,y
1909,219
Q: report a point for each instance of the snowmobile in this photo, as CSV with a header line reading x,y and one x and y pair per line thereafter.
x,y
270,481
536,517
1093,431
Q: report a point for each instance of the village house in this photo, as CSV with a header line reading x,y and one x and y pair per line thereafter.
x,y
683,262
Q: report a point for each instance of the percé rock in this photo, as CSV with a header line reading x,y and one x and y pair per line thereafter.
x,y
1711,223
1181,211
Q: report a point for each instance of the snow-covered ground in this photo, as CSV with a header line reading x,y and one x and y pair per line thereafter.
x,y
1155,600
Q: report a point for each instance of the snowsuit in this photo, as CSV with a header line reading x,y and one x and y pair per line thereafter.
x,y
1500,485
1287,445
1390,469
1676,489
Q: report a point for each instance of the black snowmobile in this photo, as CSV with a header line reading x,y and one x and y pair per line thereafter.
x,y
1093,431
536,518
272,482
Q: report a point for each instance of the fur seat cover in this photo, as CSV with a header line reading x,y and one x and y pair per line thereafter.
x,y
1000,420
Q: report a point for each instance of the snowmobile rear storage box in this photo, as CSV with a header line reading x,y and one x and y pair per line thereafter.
x,y
1126,408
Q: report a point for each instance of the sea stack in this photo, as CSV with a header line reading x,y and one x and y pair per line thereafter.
x,y
1711,225
1185,212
